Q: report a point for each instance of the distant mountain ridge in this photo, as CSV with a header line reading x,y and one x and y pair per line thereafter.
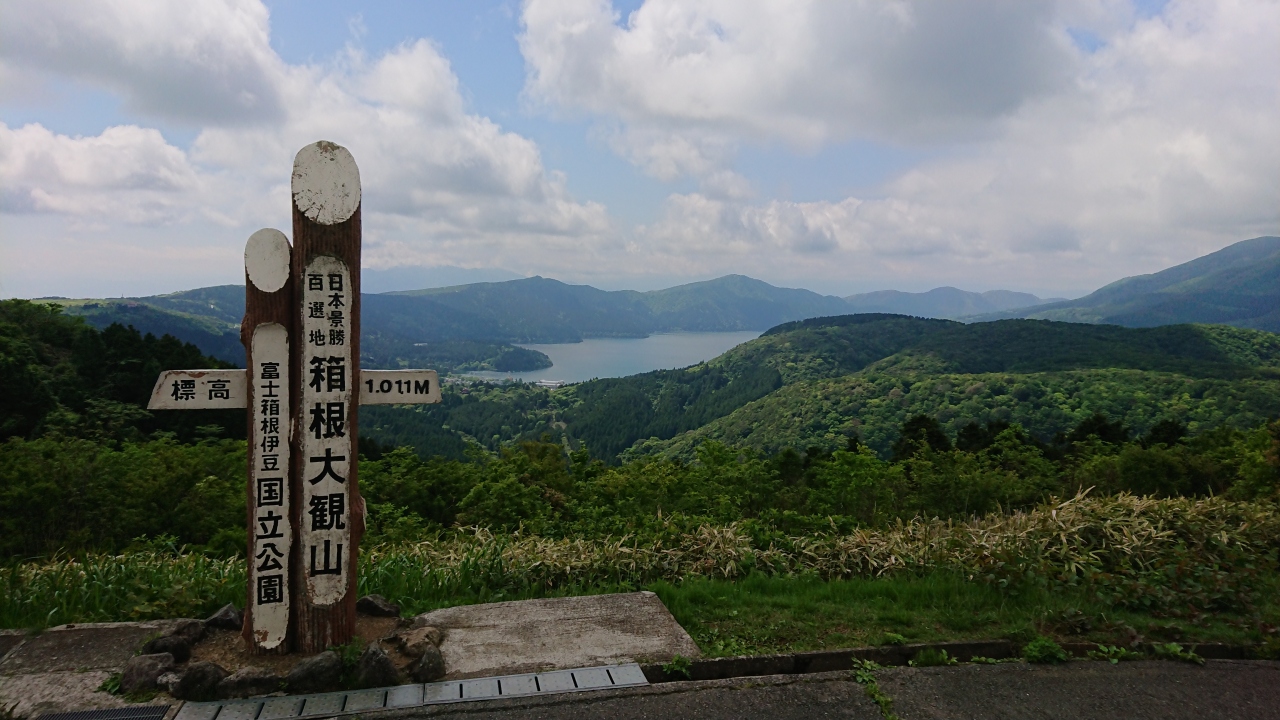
x,y
1238,285
412,277
947,303
539,309
482,317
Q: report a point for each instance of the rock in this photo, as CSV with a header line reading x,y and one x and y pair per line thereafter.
x,y
430,667
200,682
375,668
168,681
227,618
175,645
247,682
319,673
424,620
191,629
377,606
414,642
143,672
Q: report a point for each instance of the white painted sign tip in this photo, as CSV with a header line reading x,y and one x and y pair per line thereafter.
x,y
266,259
326,183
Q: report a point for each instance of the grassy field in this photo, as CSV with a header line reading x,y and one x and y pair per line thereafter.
x,y
761,614
753,614
1109,569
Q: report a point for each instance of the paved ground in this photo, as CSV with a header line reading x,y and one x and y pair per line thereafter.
x,y
1222,689
61,668
1236,689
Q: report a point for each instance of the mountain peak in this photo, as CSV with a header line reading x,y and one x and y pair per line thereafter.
x,y
1237,285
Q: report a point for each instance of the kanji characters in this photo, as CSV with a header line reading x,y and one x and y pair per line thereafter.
x,y
328,512
328,459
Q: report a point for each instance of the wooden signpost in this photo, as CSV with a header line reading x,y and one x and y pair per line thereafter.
x,y
301,389
330,511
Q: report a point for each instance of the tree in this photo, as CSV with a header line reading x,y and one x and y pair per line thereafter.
x,y
917,433
1101,427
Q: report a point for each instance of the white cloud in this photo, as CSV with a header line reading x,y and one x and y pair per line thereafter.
x,y
1049,166
127,172
689,81
1061,168
198,62
441,185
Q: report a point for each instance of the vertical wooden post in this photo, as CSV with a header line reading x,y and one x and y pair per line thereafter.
x,y
328,510
266,332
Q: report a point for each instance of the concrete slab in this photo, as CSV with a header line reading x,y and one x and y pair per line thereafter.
x,y
32,695
557,633
93,646
10,639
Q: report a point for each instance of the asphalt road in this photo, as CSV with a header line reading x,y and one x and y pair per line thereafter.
x,y
1226,689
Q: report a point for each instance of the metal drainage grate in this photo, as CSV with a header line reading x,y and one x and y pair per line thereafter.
x,y
135,712
404,696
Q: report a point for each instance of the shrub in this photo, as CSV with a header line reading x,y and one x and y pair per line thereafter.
x,y
1044,650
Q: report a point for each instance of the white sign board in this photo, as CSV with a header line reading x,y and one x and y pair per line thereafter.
x,y
200,390
326,444
378,387
397,387
269,431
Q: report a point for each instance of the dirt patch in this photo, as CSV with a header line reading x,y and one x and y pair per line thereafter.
x,y
227,647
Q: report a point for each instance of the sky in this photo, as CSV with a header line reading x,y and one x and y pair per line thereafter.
x,y
1030,145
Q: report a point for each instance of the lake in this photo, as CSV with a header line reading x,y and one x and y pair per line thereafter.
x,y
619,357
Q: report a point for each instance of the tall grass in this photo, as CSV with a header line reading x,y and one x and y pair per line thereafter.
x,y
1174,555
104,588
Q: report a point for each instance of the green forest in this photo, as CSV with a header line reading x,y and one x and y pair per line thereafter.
x,y
911,478
819,425
821,382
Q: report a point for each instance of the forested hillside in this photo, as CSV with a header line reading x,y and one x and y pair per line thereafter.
x,y
397,331
1237,285
61,376
819,382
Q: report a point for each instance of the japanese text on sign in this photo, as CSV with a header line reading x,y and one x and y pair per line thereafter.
x,y
326,442
272,536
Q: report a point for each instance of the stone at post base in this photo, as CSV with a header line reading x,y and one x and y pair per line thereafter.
x,y
176,645
430,667
142,672
227,618
415,641
189,628
200,682
377,606
247,682
376,669
315,674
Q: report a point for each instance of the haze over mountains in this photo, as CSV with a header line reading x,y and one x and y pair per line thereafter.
x,y
473,325
947,303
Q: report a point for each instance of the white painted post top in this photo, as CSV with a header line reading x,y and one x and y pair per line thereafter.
x,y
266,259
326,183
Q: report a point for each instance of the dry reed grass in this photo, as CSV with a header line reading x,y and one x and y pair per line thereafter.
x,y
1169,554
